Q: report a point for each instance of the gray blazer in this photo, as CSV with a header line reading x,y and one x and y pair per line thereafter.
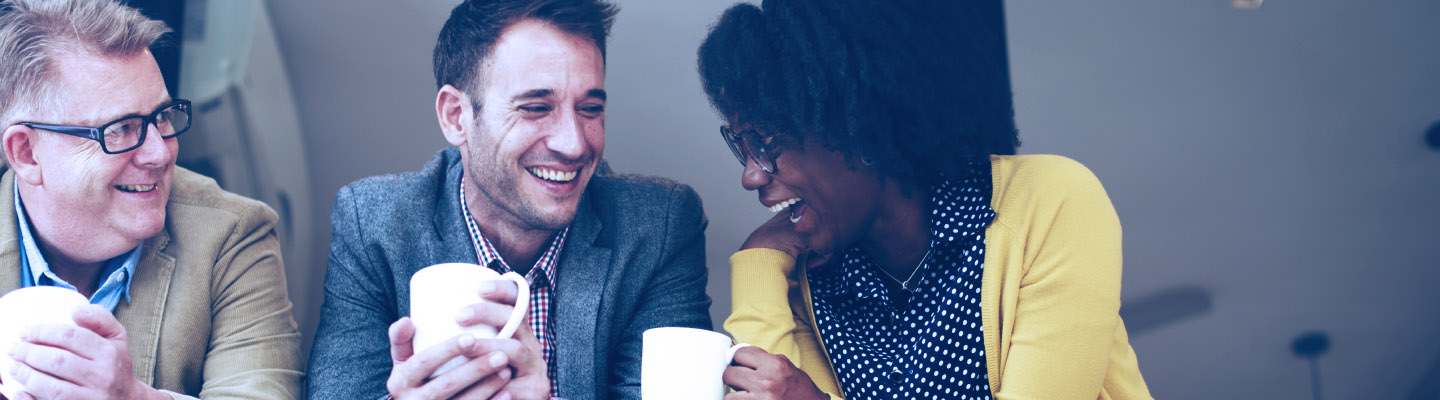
x,y
633,260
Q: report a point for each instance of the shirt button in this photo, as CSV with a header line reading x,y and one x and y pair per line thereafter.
x,y
897,377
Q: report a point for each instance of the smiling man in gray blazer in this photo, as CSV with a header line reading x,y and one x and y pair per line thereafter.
x,y
522,99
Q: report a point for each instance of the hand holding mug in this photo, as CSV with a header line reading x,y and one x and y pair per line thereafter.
x,y
410,373
450,347
56,345
757,374
684,363
531,379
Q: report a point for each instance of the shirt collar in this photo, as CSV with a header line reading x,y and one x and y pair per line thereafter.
x,y
960,205
490,256
35,271
959,209
30,255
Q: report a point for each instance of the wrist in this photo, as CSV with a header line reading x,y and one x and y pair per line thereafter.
x,y
139,390
752,243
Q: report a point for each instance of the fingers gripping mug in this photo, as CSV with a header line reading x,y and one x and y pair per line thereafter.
x,y
22,308
685,363
438,292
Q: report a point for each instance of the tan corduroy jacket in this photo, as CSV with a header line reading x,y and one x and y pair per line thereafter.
x,y
208,314
1049,298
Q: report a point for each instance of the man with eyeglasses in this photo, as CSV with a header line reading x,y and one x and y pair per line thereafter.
x,y
185,280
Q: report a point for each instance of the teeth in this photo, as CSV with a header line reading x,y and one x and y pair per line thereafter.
x,y
794,218
784,204
553,175
136,188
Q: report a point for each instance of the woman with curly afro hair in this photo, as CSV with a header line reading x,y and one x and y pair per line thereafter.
x,y
932,262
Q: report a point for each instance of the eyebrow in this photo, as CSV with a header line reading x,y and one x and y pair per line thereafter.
x,y
105,120
533,94
543,93
596,93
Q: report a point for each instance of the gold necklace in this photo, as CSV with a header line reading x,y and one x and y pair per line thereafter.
x,y
905,284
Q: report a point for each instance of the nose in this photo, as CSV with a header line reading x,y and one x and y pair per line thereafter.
x,y
753,177
154,151
568,137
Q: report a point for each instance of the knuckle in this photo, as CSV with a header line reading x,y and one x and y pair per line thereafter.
x,y
393,385
65,335
52,363
780,362
40,387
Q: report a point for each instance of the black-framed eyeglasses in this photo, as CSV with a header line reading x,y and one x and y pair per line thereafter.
x,y
128,132
748,144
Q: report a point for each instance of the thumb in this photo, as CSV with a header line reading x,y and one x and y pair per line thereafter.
x,y
98,320
402,336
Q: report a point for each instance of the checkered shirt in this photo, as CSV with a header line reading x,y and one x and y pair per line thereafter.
x,y
541,278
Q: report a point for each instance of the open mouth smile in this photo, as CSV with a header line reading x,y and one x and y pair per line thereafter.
x,y
137,188
793,204
551,175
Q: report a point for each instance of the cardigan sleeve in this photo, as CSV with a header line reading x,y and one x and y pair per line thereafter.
x,y
767,311
1067,310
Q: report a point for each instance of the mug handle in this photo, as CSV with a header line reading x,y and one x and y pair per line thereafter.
x,y
522,304
730,355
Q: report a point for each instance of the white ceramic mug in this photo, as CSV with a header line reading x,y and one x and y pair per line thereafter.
x,y
685,363
36,305
438,292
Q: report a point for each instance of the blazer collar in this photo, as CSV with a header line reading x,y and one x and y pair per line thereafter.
x,y
581,280
455,244
143,315
9,235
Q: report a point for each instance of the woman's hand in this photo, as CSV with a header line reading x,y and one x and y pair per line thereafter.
x,y
757,374
779,234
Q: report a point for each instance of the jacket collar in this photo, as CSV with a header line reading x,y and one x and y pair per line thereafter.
x,y
455,244
582,278
9,236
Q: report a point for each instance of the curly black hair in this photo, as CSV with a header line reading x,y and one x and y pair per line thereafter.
x,y
915,87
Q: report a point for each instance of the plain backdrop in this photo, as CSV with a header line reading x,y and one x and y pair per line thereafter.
x,y
1272,158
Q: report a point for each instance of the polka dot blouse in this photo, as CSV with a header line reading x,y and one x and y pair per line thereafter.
x,y
926,344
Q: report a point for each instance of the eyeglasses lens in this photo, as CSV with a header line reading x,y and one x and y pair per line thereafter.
x,y
173,120
123,134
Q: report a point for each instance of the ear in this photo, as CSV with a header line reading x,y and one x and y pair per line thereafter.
x,y
452,108
19,142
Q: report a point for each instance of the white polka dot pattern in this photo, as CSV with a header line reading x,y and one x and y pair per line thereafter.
x,y
930,346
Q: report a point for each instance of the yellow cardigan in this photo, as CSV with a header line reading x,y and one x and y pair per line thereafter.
x,y
1050,295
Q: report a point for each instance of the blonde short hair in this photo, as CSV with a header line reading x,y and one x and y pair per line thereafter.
x,y
34,32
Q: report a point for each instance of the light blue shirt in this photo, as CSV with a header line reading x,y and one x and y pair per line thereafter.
x,y
34,271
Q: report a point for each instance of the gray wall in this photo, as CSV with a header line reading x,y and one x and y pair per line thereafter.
x,y
1272,158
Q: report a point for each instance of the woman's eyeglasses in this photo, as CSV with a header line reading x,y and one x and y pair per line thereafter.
x,y
748,144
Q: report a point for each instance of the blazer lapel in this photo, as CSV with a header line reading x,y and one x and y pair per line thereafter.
x,y
580,281
455,244
143,315
9,235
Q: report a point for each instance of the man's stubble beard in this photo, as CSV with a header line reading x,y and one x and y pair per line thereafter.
x,y
500,184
